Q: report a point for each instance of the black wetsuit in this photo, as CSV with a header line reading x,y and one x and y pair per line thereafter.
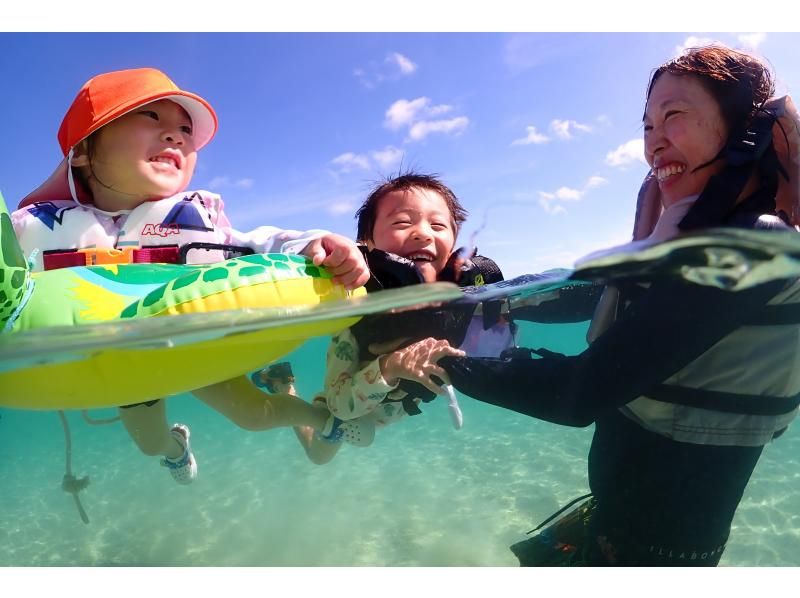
x,y
659,501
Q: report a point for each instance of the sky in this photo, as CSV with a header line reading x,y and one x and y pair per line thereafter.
x,y
538,134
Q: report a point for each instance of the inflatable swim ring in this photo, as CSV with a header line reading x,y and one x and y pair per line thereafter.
x,y
35,308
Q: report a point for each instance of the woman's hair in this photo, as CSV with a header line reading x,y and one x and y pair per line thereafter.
x,y
366,214
740,83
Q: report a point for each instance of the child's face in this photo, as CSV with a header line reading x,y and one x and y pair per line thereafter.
x,y
415,224
146,154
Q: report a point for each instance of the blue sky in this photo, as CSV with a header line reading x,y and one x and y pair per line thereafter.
x,y
539,134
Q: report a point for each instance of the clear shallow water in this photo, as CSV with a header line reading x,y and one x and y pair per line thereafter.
x,y
423,494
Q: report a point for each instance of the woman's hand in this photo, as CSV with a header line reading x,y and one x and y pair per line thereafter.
x,y
417,362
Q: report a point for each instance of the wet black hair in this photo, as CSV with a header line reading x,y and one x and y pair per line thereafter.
x,y
366,214
740,83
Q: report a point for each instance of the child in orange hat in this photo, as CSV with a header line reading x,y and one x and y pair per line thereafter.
x,y
130,141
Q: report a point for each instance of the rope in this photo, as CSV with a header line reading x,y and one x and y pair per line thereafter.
x,y
97,422
70,483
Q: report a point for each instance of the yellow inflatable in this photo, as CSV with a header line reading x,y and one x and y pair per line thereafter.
x,y
100,336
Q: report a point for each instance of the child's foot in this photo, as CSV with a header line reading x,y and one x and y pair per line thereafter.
x,y
184,468
358,432
275,378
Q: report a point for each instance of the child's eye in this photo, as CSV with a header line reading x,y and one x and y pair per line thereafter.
x,y
439,226
150,113
401,222
186,129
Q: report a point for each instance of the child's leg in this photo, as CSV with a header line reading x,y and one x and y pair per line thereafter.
x,y
147,426
317,450
249,408
278,378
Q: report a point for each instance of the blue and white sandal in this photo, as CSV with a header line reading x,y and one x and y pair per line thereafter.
x,y
184,468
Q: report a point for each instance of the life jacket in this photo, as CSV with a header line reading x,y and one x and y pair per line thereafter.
x,y
745,390
478,325
190,227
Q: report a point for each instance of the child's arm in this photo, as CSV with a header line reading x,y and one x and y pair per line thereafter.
x,y
338,254
341,257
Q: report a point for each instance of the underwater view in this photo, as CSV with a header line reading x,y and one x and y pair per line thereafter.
x,y
423,494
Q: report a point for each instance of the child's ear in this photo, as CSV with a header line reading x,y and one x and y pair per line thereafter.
x,y
80,155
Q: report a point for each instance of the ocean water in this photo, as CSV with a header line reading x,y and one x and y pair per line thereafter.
x,y
423,494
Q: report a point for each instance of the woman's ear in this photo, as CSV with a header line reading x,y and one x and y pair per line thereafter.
x,y
80,154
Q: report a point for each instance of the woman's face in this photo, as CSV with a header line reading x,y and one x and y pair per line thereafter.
x,y
683,129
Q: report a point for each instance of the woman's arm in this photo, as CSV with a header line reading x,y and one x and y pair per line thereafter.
x,y
667,328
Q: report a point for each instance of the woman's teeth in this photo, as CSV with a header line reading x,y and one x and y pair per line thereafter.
x,y
668,171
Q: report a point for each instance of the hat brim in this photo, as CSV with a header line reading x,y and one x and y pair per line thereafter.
x,y
55,187
204,126
204,120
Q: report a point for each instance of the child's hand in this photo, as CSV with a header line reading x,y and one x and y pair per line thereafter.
x,y
342,259
418,362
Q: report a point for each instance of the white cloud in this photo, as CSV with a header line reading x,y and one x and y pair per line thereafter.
x,y
562,128
437,110
533,137
550,200
751,40
350,161
221,182
692,41
419,116
218,182
626,153
388,156
405,113
393,67
568,194
337,208
595,181
549,206
604,120
422,129
403,63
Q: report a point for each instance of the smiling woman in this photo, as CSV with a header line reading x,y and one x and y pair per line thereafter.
x,y
685,384
684,133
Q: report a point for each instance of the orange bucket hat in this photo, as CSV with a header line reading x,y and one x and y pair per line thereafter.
x,y
107,97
